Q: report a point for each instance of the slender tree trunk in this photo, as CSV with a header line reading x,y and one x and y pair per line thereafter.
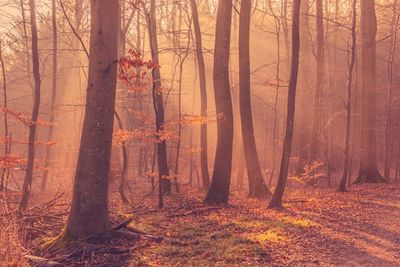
x,y
315,131
7,144
88,216
368,172
53,94
277,87
26,189
220,182
26,44
342,185
203,97
332,73
124,170
276,200
178,148
304,93
390,71
158,101
285,29
257,186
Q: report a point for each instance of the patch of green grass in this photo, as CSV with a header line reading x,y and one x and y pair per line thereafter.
x,y
300,223
200,244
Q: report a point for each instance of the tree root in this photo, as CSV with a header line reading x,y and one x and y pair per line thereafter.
x,y
261,192
60,242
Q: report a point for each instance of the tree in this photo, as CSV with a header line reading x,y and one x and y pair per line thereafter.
x,y
368,172
390,66
345,174
313,149
220,182
26,189
158,104
257,186
302,127
203,96
53,93
4,171
88,216
276,200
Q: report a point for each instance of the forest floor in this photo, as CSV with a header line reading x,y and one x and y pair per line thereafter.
x,y
318,227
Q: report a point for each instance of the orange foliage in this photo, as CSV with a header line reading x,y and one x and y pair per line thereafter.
x,y
23,117
6,140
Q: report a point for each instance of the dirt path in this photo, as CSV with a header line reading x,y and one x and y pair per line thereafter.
x,y
375,241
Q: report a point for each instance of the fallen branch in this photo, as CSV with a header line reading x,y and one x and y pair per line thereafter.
x,y
192,212
41,262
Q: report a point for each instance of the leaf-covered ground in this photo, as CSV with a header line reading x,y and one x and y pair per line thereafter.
x,y
317,228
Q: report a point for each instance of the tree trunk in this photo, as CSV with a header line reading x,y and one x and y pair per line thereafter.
x,y
88,216
257,186
342,185
7,144
314,141
276,200
53,94
368,172
35,110
220,182
203,97
389,136
124,170
158,101
302,127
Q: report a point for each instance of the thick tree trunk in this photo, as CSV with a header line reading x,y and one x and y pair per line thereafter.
x,y
53,94
203,97
276,200
88,216
257,186
26,189
316,125
368,172
342,185
220,182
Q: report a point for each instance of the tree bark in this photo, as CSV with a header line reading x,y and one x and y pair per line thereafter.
x,y
389,136
303,119
88,216
315,131
53,94
220,182
7,144
368,172
203,97
257,186
158,102
276,201
345,174
26,189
